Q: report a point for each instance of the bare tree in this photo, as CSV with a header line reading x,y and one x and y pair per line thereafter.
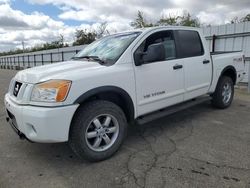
x,y
102,30
61,40
235,20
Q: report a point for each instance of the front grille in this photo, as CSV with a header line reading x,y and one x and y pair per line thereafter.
x,y
17,88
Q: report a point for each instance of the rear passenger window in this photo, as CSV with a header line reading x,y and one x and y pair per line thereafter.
x,y
190,44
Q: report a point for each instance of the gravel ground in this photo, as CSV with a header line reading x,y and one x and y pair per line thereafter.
x,y
198,147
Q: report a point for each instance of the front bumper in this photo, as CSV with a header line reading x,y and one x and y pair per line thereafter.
x,y
40,124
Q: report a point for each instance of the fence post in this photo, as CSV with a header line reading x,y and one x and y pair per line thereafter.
x,y
28,61
23,61
8,64
35,60
18,61
42,58
51,59
62,56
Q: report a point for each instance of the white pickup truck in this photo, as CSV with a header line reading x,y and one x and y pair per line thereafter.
x,y
132,76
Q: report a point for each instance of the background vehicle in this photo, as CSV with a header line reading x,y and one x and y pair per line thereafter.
x,y
132,76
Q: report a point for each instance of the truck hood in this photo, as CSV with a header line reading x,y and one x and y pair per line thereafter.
x,y
46,72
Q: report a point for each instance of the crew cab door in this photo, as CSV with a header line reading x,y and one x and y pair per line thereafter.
x,y
158,83
196,62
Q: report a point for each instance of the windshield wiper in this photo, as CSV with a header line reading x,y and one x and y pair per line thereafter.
x,y
95,58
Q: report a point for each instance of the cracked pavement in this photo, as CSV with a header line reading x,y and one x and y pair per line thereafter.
x,y
197,147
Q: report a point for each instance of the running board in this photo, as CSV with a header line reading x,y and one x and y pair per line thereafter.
x,y
171,110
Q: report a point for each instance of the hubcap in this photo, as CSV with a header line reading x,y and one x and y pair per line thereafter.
x,y
102,132
226,93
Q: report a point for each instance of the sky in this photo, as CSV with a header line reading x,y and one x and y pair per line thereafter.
x,y
38,21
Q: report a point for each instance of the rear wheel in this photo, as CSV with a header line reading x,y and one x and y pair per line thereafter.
x,y
97,130
224,93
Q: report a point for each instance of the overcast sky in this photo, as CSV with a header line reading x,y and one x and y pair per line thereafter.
x,y
39,21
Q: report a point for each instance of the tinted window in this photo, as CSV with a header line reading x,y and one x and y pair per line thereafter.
x,y
190,44
164,37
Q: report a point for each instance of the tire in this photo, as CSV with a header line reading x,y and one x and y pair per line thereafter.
x,y
224,93
95,121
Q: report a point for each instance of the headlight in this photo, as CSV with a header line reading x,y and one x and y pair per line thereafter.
x,y
51,91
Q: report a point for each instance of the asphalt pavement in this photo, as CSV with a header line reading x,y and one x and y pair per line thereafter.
x,y
197,147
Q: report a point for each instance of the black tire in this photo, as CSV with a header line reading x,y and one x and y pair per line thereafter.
x,y
218,99
82,122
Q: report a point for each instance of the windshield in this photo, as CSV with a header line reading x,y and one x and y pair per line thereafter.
x,y
108,49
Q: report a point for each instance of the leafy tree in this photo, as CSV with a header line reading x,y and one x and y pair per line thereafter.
x,y
140,21
240,20
170,20
84,37
187,20
246,18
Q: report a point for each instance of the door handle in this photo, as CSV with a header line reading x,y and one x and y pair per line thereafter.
x,y
205,61
177,67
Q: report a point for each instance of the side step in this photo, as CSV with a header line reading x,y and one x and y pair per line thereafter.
x,y
172,109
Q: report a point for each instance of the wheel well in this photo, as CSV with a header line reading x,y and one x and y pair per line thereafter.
x,y
230,72
119,98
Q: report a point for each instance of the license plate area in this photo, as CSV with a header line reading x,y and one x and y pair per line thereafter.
x,y
12,120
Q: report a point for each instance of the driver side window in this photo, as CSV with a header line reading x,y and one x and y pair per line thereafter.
x,y
164,37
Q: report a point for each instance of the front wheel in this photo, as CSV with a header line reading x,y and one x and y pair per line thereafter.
x,y
224,93
97,130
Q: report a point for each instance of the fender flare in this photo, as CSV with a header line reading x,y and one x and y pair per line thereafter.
x,y
230,67
128,100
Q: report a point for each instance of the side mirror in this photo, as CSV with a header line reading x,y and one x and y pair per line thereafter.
x,y
138,57
155,52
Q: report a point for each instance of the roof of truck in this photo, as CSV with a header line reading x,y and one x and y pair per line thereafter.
x,y
147,29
